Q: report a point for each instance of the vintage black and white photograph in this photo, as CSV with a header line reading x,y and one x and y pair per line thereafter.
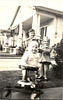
x,y
31,50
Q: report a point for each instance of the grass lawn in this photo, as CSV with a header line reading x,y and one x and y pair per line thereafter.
x,y
7,77
12,77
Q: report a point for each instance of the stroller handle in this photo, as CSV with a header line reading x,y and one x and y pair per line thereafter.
x,y
28,67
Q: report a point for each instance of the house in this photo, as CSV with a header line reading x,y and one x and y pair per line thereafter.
x,y
45,22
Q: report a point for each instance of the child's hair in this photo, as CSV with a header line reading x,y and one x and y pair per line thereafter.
x,y
46,40
31,30
32,43
31,33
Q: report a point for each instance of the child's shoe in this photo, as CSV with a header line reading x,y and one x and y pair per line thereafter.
x,y
45,79
40,77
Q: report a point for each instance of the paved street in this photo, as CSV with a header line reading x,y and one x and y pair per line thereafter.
x,y
49,93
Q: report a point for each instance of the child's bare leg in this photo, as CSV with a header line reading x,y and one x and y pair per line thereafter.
x,y
40,71
23,74
46,67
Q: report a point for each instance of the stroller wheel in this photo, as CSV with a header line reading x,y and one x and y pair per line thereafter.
x,y
6,94
33,85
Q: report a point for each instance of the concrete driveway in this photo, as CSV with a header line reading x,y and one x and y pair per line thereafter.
x,y
49,93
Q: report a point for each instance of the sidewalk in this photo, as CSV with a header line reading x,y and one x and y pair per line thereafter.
x,y
49,94
9,62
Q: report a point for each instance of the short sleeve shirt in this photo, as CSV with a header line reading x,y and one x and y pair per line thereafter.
x,y
31,59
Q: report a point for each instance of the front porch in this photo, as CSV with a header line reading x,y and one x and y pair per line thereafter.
x,y
43,20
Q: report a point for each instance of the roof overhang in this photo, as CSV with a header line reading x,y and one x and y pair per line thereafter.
x,y
49,10
5,31
45,13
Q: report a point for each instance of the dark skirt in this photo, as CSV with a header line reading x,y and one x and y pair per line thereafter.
x,y
45,62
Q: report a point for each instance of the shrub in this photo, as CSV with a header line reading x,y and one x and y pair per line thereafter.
x,y
59,60
21,50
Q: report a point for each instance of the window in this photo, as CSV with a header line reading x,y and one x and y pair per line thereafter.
x,y
43,32
27,34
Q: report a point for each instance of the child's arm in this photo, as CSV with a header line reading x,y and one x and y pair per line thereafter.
x,y
46,50
24,59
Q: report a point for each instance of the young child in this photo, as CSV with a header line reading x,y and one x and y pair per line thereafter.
x,y
31,58
31,36
45,56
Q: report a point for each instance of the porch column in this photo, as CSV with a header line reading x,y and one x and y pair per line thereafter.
x,y
11,38
1,38
5,47
36,24
10,41
5,39
62,35
19,40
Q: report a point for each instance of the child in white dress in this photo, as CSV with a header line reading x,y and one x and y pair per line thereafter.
x,y
31,58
